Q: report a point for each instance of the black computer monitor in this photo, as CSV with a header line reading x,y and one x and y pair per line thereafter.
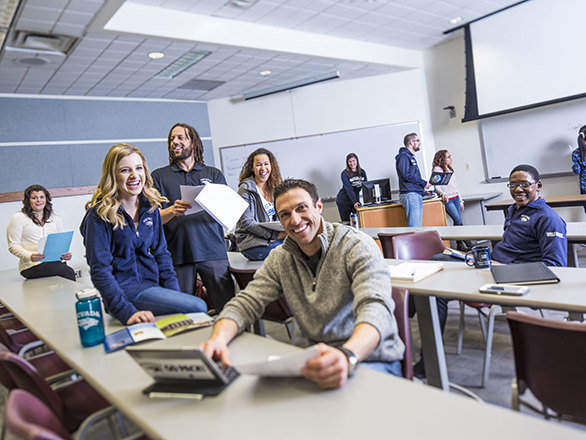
x,y
368,190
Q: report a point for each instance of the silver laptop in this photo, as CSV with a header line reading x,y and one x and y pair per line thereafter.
x,y
182,372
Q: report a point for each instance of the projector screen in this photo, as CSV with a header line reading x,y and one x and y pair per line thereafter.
x,y
525,56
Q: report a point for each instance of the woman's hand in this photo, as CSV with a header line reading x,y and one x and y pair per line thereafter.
x,y
66,257
461,207
37,257
445,198
141,316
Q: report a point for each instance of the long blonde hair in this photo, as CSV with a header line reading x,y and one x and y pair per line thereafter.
x,y
106,199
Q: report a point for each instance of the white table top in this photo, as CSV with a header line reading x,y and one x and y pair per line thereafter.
x,y
576,231
480,196
370,405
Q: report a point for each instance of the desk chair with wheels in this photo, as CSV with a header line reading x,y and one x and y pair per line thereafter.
x,y
277,311
423,246
549,360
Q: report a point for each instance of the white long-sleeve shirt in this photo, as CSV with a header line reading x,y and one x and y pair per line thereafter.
x,y
451,189
23,236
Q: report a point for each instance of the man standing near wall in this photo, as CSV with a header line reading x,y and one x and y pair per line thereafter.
x,y
411,185
196,241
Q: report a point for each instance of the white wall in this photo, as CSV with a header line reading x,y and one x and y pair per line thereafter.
x,y
445,71
71,210
327,107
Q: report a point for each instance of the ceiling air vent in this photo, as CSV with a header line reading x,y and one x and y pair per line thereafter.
x,y
200,84
37,41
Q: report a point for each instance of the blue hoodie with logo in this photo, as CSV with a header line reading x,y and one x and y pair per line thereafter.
x,y
410,180
127,260
534,232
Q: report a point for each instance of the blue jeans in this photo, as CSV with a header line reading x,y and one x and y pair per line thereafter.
x,y
413,204
453,210
259,253
162,301
393,368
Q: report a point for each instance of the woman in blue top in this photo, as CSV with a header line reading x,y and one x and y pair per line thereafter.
x,y
258,179
125,244
352,178
579,160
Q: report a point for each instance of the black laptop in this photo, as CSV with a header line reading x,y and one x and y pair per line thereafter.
x,y
182,372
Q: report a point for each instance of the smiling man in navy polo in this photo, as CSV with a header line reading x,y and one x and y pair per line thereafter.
x,y
533,231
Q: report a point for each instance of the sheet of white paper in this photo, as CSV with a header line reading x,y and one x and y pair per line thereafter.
x,y
273,226
55,245
222,203
280,366
189,194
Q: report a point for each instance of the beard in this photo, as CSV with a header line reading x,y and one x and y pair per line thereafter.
x,y
186,153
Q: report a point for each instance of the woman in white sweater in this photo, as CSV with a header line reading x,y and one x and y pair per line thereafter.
x,y
450,193
27,227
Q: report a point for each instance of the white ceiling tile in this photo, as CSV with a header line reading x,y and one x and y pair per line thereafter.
x,y
90,6
25,24
68,29
41,13
54,3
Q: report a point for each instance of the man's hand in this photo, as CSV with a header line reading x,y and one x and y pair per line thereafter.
x,y
179,207
217,346
427,185
330,370
141,316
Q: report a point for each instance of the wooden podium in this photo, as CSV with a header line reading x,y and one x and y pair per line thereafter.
x,y
388,216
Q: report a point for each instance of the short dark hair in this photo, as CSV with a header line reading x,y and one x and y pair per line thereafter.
x,y
528,169
289,184
408,138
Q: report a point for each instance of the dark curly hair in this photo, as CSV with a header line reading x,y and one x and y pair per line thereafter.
x,y
248,169
193,136
28,209
439,160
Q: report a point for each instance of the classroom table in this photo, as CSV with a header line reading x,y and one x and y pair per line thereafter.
x,y
461,282
370,405
554,202
482,198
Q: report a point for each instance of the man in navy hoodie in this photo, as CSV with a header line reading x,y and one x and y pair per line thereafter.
x,y
411,185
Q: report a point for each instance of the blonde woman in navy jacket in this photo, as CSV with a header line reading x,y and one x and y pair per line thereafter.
x,y
125,244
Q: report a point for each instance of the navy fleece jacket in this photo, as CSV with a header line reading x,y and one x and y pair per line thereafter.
x,y
127,260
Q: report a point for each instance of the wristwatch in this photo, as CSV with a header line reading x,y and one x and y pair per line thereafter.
x,y
353,360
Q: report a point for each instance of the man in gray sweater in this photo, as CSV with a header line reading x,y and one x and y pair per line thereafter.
x,y
337,286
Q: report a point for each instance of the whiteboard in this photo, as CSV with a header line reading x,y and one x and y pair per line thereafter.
x,y
543,137
321,158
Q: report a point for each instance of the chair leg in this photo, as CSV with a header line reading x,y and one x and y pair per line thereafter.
x,y
482,318
515,395
294,337
259,328
488,351
461,328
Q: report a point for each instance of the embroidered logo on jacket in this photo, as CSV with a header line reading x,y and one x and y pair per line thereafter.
x,y
554,234
148,221
525,218
204,181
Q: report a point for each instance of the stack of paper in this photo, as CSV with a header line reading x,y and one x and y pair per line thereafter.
x,y
413,272
220,201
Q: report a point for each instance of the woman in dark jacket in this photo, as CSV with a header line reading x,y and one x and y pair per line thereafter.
x,y
352,178
255,236
579,160
125,244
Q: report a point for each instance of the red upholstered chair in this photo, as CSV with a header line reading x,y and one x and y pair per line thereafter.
x,y
386,243
30,419
423,246
277,311
71,403
401,298
549,360
16,337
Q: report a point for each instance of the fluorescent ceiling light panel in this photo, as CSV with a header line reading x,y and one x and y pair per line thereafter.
x,y
182,64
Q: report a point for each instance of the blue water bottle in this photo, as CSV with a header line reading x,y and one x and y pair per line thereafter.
x,y
89,317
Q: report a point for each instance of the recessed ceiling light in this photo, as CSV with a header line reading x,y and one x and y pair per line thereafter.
x,y
455,20
182,64
242,4
265,72
156,55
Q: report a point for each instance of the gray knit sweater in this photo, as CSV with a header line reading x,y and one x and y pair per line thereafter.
x,y
352,286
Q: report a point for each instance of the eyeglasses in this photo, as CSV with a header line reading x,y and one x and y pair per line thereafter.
x,y
524,185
